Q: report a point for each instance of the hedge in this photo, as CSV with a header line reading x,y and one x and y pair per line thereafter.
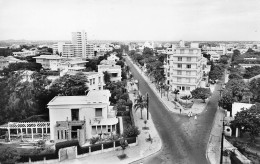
x,y
131,140
117,143
38,157
107,145
83,150
96,147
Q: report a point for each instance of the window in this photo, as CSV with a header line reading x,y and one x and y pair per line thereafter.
x,y
179,87
179,58
179,65
188,58
98,112
114,74
188,80
108,128
178,72
178,79
168,74
168,82
74,114
90,81
99,79
182,51
188,72
187,88
94,80
188,66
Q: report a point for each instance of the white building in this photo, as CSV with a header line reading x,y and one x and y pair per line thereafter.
x,y
114,70
221,50
82,48
102,48
183,68
24,53
64,49
113,57
237,107
75,65
213,56
49,61
82,117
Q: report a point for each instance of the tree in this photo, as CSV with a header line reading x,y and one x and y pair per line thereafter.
x,y
235,76
254,87
216,72
251,72
123,144
176,92
167,88
237,88
226,100
186,97
107,77
131,131
201,93
248,121
70,85
140,103
9,155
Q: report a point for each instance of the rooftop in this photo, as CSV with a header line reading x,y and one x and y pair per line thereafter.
x,y
237,107
48,57
110,66
93,97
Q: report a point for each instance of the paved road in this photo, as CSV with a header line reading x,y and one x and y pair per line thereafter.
x,y
184,139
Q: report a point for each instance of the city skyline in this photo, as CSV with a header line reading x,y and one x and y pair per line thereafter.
x,y
166,20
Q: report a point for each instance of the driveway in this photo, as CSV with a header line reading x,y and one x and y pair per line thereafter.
x,y
184,139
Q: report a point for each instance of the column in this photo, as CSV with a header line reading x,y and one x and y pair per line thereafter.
x,y
46,128
64,135
42,133
17,131
22,132
32,132
9,133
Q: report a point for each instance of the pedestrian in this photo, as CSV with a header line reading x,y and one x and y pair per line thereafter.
x,y
180,110
195,117
191,114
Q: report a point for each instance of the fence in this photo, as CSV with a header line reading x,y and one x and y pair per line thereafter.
x,y
81,151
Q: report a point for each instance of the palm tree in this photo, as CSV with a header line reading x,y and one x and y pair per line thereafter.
x,y
176,92
186,97
140,103
167,88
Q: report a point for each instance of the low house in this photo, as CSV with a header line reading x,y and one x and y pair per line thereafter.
x,y
71,66
82,117
114,70
214,56
237,107
49,61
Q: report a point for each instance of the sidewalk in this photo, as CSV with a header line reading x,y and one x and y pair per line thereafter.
x,y
143,149
214,143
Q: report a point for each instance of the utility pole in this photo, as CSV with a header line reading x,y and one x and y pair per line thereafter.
x,y
222,142
147,99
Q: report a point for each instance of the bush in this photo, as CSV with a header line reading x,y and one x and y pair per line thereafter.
x,y
107,145
83,150
123,113
9,155
131,140
131,131
93,140
117,143
95,147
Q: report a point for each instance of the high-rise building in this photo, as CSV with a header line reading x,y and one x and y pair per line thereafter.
x,y
183,67
82,48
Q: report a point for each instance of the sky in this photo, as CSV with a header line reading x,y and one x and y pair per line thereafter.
x,y
152,20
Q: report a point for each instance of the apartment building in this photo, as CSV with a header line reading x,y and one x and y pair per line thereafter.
x,y
82,117
183,67
82,48
64,49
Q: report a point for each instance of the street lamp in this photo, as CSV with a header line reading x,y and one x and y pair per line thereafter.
x,y
147,99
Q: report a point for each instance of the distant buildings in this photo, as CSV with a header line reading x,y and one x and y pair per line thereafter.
x,y
5,61
79,47
184,67
25,53
221,50
214,56
82,117
113,57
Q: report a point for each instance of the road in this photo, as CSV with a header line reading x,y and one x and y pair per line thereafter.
x,y
184,139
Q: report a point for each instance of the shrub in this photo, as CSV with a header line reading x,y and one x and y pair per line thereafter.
x,y
131,140
83,150
95,147
131,131
117,143
9,155
93,140
107,145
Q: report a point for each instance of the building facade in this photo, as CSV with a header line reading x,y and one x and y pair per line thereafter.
x,y
64,49
82,48
82,117
183,68
51,62
114,71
